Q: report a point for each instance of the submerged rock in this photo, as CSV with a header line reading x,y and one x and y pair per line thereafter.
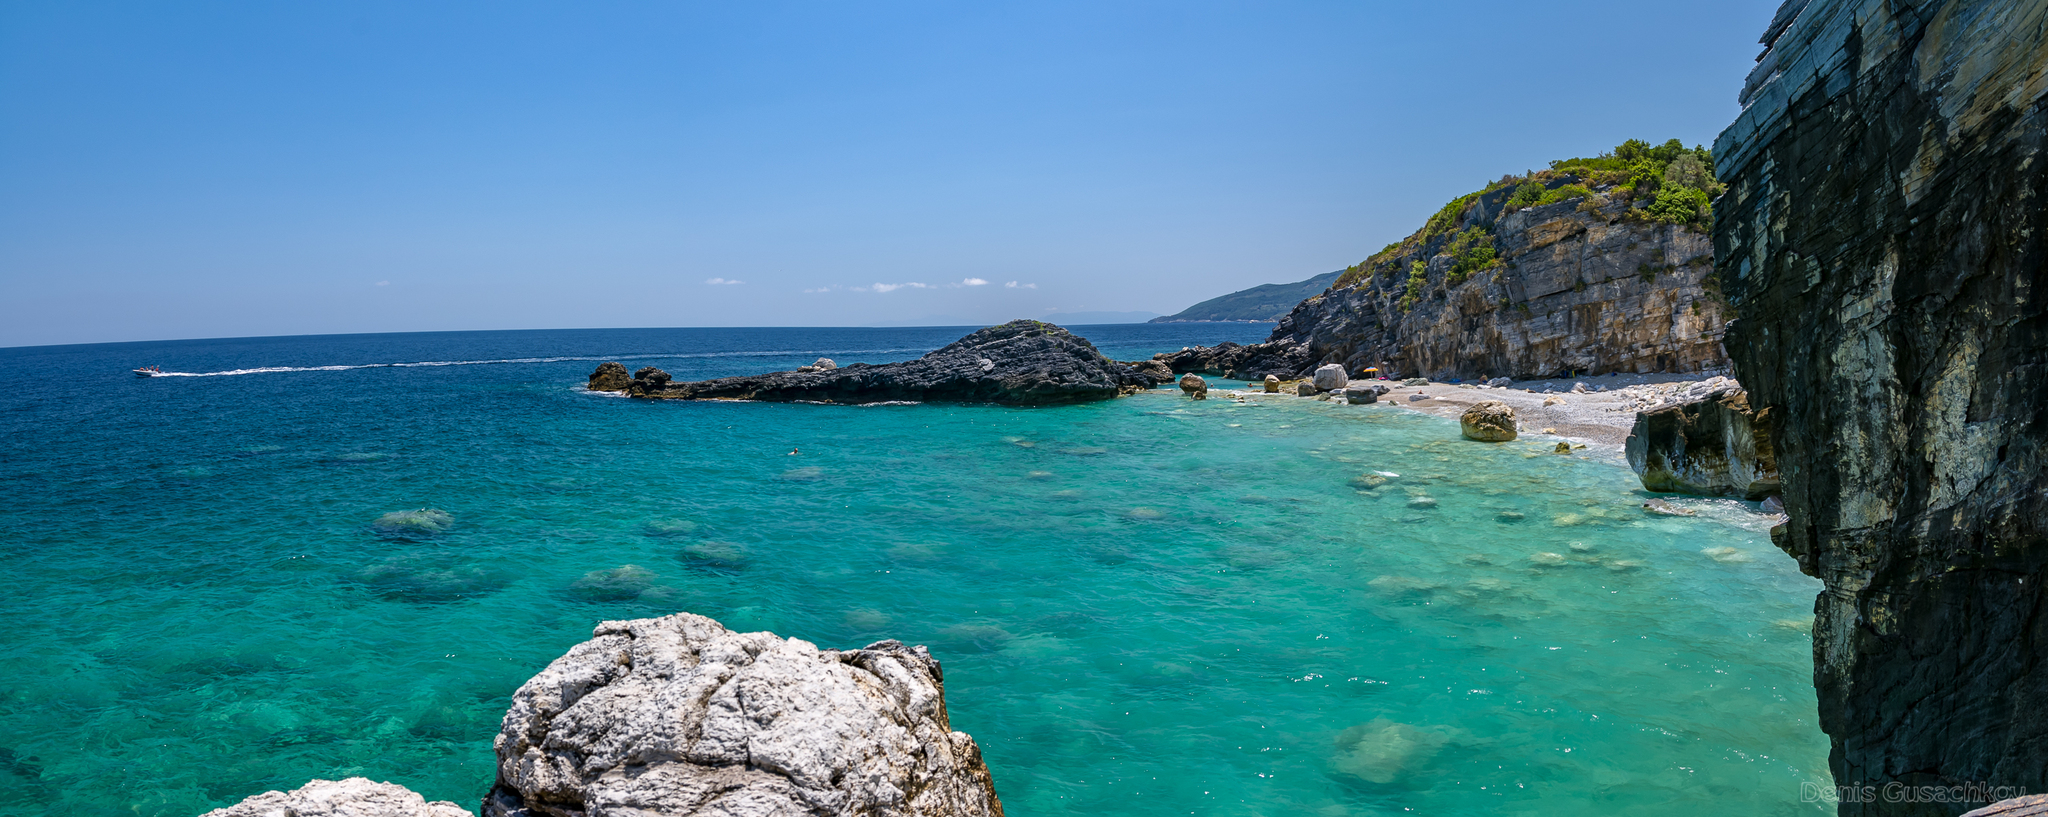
x,y
422,522
610,377
680,716
718,555
1383,751
623,583
1662,508
354,797
432,579
1491,422
1713,446
1020,362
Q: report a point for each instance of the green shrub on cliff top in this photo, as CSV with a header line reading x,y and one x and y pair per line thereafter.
x,y
1678,181
1681,205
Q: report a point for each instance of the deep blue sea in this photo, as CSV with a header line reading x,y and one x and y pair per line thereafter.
x,y
1147,606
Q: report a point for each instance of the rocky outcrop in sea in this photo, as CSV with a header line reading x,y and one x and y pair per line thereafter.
x,y
678,715
1021,362
675,716
1710,444
1882,244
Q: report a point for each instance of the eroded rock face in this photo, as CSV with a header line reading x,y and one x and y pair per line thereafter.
x,y
610,376
1491,421
354,797
1020,362
1156,370
1287,360
1882,244
680,716
1710,446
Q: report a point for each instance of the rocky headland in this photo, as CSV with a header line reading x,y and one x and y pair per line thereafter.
x,y
1594,266
1020,363
677,716
1879,244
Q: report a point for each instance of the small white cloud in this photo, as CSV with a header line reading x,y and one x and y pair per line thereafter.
x,y
1015,285
821,289
892,287
973,282
383,283
721,281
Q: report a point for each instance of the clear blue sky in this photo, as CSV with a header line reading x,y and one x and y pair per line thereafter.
x,y
213,169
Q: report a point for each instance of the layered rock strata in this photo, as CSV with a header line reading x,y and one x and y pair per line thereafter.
x,y
678,715
354,797
1713,445
1882,246
1020,362
1579,290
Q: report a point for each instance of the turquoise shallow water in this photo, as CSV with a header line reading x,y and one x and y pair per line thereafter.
x,y
1145,606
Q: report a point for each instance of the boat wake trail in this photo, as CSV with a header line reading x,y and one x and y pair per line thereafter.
x,y
512,360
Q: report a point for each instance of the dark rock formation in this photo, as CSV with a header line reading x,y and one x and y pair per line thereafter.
x,y
679,716
1020,362
610,377
1882,244
1238,362
1157,370
1713,445
648,379
354,797
1491,421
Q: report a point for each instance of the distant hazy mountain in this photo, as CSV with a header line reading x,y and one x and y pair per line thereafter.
x,y
1086,318
1265,302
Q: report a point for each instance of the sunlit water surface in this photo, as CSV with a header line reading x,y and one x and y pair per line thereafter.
x,y
1144,606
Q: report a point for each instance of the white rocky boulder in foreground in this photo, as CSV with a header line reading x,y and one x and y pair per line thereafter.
x,y
354,797
680,716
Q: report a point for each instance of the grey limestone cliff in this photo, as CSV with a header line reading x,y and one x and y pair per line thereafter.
x,y
1580,288
1882,245
1594,266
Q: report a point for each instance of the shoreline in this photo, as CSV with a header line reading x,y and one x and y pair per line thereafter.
x,y
1601,419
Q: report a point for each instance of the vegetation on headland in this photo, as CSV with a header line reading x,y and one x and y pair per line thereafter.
x,y
1667,184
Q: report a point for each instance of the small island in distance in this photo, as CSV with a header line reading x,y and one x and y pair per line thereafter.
x,y
1264,303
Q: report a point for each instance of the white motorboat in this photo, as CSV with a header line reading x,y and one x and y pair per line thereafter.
x,y
148,371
